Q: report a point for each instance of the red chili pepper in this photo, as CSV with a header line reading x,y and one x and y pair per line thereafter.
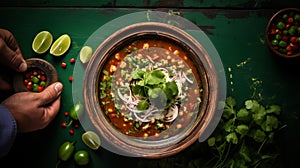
x,y
63,65
72,60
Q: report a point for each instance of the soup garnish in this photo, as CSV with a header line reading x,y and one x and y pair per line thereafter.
x,y
149,87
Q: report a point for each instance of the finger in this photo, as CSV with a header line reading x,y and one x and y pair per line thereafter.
x,y
50,93
50,111
10,51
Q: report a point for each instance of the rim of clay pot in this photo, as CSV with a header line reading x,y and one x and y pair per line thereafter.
x,y
138,147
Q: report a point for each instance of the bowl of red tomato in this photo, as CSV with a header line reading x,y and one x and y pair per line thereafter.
x,y
283,33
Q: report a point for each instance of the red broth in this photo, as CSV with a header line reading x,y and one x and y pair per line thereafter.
x,y
118,72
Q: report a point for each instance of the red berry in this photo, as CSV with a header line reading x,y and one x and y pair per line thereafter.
x,y
71,79
72,60
63,65
71,131
66,113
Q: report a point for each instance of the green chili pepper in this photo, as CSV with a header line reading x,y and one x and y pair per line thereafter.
x,y
81,157
297,17
76,111
66,150
280,25
292,30
274,42
282,43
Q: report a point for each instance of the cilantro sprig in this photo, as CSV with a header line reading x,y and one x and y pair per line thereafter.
x,y
243,135
152,87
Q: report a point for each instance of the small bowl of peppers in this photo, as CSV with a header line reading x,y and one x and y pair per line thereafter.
x,y
283,33
38,76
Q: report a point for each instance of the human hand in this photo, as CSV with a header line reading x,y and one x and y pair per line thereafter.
x,y
34,111
10,57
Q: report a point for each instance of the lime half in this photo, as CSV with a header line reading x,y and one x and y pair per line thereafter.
x,y
42,42
85,54
60,45
91,139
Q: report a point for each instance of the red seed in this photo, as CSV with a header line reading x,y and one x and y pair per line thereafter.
x,y
72,60
71,79
66,113
71,131
63,65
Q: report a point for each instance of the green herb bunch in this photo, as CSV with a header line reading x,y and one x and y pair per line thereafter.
x,y
244,137
152,86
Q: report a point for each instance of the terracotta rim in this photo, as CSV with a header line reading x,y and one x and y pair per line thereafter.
x,y
142,148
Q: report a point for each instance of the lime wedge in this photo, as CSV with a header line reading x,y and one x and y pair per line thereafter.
x,y
85,54
42,42
60,45
91,139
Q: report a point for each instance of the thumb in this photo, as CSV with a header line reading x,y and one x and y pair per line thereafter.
x,y
50,93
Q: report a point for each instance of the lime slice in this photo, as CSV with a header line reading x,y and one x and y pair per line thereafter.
x,y
42,42
61,45
85,54
91,139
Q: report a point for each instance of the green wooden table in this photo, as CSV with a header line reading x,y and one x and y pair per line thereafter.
x,y
236,28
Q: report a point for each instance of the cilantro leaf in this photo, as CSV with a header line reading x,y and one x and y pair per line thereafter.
x,y
232,138
270,123
242,129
